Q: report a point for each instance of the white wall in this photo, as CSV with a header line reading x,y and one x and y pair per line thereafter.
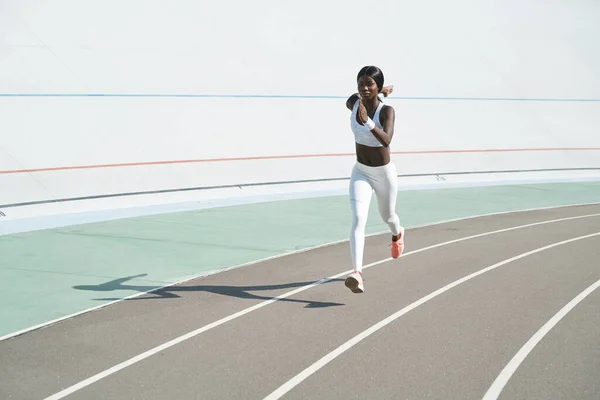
x,y
427,49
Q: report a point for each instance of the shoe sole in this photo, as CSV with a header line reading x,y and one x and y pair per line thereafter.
x,y
352,284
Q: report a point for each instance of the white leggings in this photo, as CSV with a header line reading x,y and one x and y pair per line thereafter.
x,y
363,181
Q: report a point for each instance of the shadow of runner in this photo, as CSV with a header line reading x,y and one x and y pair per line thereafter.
x,y
242,292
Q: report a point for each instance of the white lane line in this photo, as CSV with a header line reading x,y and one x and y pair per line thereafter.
x,y
208,273
510,368
245,311
296,380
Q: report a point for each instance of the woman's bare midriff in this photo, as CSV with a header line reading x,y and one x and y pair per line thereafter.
x,y
372,156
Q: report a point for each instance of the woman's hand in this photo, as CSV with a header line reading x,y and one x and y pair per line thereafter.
x,y
362,111
387,90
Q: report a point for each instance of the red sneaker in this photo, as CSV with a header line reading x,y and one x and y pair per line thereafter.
x,y
398,245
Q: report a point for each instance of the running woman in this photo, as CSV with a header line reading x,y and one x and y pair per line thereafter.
x,y
373,125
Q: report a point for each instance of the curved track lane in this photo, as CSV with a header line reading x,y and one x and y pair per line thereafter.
x,y
452,346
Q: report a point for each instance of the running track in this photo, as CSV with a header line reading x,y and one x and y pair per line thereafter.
x,y
443,321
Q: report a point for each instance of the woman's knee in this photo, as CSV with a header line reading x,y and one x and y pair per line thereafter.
x,y
359,216
359,221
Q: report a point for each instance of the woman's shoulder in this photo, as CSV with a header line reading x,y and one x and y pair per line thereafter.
x,y
386,108
386,113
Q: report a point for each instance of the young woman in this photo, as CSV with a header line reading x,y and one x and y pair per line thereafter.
x,y
373,125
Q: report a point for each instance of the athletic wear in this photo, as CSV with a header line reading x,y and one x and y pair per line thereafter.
x,y
354,282
362,134
398,245
363,182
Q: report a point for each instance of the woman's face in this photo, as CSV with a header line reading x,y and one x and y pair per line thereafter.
x,y
367,87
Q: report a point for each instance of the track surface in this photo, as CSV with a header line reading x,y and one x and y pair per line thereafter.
x,y
452,346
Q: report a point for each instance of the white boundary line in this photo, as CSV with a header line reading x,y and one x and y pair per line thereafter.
x,y
296,380
208,273
173,342
504,376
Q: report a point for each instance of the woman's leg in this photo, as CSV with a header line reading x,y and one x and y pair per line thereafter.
x,y
386,190
360,198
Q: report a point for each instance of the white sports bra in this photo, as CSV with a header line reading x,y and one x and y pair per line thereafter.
x,y
362,134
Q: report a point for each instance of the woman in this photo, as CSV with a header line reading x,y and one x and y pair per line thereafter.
x,y
373,125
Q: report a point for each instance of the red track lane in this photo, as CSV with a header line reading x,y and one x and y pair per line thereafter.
x,y
206,160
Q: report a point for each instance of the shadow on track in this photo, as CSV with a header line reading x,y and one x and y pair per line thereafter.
x,y
242,292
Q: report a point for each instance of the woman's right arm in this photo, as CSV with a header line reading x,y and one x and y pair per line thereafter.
x,y
351,100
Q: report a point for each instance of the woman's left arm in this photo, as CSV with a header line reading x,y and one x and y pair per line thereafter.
x,y
386,118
